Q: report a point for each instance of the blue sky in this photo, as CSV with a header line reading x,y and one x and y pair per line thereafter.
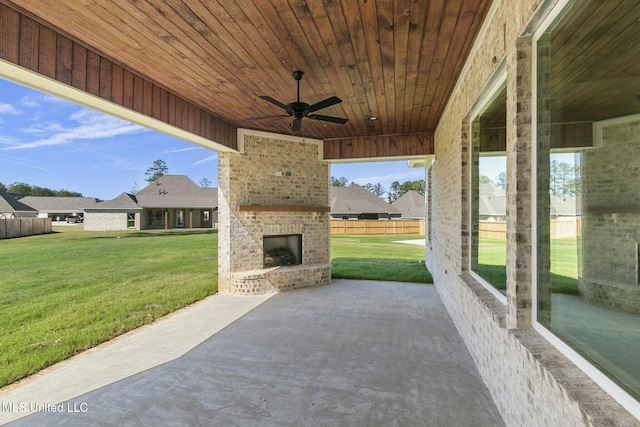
x,y
49,142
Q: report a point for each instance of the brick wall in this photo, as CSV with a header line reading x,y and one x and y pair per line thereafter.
x,y
276,172
99,221
611,219
530,381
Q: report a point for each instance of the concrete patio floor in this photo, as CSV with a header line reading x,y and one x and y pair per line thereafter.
x,y
353,353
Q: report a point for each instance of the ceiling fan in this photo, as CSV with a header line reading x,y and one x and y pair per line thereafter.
x,y
299,110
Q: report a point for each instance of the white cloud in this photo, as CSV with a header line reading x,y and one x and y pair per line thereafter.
x,y
205,160
182,150
23,162
36,101
411,175
89,125
9,109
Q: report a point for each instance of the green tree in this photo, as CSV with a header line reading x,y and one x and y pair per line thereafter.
x,y
563,180
42,192
398,190
67,193
3,187
19,188
24,189
376,189
205,182
158,169
135,188
339,182
501,181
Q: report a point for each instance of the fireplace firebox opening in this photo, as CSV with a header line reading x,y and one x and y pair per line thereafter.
x,y
282,250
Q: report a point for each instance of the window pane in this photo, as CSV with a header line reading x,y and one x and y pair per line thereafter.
x,y
588,197
488,251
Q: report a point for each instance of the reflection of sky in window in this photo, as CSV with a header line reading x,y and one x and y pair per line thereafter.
x,y
492,166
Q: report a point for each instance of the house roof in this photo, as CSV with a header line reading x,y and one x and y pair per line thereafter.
x,y
123,201
492,201
168,191
564,206
176,191
58,204
10,203
355,199
411,204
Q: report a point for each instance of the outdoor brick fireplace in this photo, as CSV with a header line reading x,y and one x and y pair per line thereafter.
x,y
273,231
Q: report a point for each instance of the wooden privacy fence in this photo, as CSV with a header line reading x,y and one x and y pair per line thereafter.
x,y
558,229
19,227
375,226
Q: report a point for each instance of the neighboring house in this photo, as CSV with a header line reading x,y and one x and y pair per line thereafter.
x,y
356,202
172,201
10,207
411,205
58,207
492,203
564,208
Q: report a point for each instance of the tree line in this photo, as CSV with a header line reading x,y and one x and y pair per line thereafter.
x,y
563,179
33,190
396,189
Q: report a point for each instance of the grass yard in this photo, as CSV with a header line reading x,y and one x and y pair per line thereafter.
x,y
378,258
65,292
564,264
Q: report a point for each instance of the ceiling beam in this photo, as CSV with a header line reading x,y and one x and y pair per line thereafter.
x,y
379,147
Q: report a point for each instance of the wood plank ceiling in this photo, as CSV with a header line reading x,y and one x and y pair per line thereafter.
x,y
397,60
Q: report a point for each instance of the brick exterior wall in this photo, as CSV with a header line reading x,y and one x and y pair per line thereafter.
x,y
99,221
531,382
272,171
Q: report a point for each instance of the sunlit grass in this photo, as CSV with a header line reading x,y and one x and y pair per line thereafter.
x,y
378,258
492,255
65,292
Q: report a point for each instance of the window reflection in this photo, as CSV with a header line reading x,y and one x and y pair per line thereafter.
x,y
588,198
489,183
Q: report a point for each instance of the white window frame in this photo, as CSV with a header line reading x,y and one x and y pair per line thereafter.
x,y
491,90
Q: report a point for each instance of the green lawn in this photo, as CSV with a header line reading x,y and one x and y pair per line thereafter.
x,y
378,258
564,264
64,292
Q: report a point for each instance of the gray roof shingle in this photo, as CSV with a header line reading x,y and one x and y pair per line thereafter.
x,y
168,191
9,203
58,204
411,204
357,200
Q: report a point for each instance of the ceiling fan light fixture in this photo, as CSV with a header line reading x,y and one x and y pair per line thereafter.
x,y
299,110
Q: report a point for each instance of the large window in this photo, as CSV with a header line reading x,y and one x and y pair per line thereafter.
x,y
488,189
156,218
588,190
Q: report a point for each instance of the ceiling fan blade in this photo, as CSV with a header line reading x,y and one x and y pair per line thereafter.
x,y
276,102
268,117
323,104
331,119
296,125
